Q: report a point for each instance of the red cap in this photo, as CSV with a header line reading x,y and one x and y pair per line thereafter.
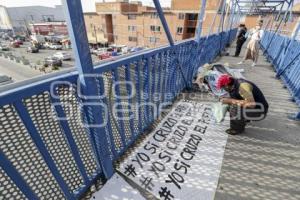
x,y
223,80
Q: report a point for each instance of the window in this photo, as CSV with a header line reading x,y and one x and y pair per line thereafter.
x,y
153,15
131,16
153,40
132,28
192,16
155,28
179,30
191,30
132,39
181,16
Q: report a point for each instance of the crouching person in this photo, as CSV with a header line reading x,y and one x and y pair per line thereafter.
x,y
246,102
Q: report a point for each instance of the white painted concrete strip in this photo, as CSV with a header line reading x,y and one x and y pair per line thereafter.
x,y
117,188
182,157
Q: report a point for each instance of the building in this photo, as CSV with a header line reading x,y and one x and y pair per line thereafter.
x,y
134,24
287,28
49,28
99,28
18,19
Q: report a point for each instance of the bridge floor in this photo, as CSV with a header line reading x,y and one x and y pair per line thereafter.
x,y
263,162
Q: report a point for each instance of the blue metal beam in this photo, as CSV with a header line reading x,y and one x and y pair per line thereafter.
x,y
84,64
211,28
200,20
163,21
16,177
221,22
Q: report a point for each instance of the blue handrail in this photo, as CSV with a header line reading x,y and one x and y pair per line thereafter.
x,y
283,53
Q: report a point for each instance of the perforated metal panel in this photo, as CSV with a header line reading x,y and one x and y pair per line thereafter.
x,y
134,78
108,91
8,190
124,101
19,148
70,104
45,121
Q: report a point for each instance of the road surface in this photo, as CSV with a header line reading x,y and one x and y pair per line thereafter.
x,y
18,72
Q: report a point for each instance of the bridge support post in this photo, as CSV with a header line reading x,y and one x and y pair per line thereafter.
x,y
200,20
93,112
163,21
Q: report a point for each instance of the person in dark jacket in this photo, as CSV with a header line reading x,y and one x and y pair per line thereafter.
x,y
246,102
241,39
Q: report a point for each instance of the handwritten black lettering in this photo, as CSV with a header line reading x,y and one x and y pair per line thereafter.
x,y
157,167
165,156
176,179
160,136
141,157
200,129
151,147
180,165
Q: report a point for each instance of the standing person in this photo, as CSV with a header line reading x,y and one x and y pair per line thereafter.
x,y
252,51
241,39
246,102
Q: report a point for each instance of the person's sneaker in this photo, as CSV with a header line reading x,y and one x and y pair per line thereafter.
x,y
253,64
232,132
240,63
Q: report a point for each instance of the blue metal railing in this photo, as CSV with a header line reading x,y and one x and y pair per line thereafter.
x,y
284,53
47,151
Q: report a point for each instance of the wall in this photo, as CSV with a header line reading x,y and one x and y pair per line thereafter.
x,y
193,4
95,28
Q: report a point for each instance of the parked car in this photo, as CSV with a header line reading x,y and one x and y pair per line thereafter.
x,y
32,49
104,56
52,61
63,56
5,80
4,47
20,42
15,44
136,49
55,46
99,51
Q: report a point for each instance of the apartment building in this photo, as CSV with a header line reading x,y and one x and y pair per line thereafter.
x,y
134,24
99,28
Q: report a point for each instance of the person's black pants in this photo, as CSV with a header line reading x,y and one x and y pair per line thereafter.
x,y
239,45
239,116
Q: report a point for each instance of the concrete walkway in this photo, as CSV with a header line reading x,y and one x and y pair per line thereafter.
x,y
263,162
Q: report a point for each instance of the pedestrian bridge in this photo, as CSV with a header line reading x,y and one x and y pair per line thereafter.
x,y
65,137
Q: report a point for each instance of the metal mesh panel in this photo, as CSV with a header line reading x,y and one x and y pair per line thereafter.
x,y
139,87
70,104
8,190
44,119
146,89
124,101
134,99
22,152
108,82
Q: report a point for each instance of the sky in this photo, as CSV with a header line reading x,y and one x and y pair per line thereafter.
x,y
88,5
